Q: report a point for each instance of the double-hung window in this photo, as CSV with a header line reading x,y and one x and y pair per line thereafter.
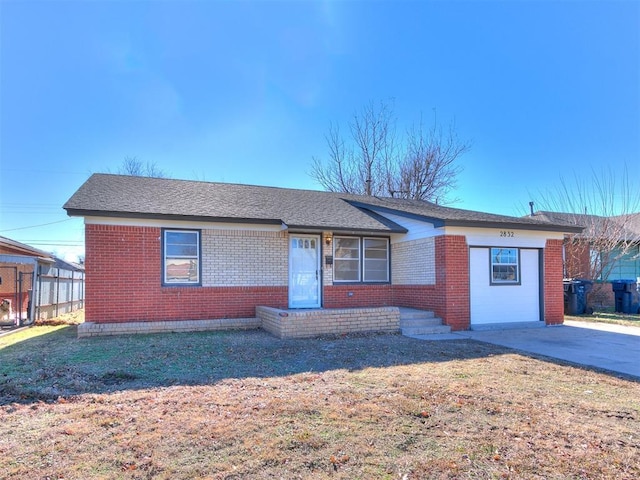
x,y
181,257
505,266
358,259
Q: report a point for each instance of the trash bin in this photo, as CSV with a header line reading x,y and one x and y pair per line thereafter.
x,y
575,296
623,292
570,297
583,287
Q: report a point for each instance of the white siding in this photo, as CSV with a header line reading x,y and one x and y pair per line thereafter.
x,y
504,303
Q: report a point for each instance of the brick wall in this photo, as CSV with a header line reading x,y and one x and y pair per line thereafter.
x,y
414,262
423,297
312,323
452,281
358,295
123,283
553,289
244,258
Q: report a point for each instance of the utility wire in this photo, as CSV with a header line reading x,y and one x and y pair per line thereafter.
x,y
36,226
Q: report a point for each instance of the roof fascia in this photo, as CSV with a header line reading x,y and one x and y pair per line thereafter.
x,y
355,231
72,212
441,222
514,226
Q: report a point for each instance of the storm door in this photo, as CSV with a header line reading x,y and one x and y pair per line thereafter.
x,y
304,271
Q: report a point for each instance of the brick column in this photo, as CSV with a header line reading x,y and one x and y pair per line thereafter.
x,y
452,281
553,289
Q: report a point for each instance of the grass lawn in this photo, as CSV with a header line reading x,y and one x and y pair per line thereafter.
x,y
247,405
608,316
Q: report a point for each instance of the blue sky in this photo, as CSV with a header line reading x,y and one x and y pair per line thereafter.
x,y
244,92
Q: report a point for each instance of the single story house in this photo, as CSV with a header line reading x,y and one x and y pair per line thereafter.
x,y
164,254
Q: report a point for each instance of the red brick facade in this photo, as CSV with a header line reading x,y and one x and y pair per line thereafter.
x,y
124,269
452,281
553,289
348,296
123,284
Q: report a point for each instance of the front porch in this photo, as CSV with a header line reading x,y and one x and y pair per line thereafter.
x,y
290,323
303,323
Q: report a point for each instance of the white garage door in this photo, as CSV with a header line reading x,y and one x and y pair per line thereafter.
x,y
511,293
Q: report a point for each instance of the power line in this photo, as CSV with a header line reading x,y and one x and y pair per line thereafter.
x,y
36,226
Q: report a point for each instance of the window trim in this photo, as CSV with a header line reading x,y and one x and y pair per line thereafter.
x,y
364,260
164,281
336,259
502,283
361,261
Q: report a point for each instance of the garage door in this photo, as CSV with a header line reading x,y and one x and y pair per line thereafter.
x,y
505,285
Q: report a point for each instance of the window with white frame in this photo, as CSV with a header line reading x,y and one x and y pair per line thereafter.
x,y
358,259
181,262
505,266
346,259
376,260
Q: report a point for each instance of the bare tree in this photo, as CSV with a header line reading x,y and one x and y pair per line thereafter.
x,y
358,166
607,206
372,161
428,169
134,166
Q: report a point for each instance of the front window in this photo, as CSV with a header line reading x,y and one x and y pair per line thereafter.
x,y
376,260
346,259
505,266
181,263
361,259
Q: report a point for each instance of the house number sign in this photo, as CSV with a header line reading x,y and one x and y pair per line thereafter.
x,y
507,233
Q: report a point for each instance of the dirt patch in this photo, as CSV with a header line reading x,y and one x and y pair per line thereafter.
x,y
247,405
72,318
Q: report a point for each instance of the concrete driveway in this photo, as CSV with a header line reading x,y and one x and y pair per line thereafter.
x,y
610,347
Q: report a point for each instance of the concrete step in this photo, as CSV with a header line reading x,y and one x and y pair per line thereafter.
x,y
408,313
429,330
420,322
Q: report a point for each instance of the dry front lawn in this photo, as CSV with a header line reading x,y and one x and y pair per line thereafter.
x,y
247,405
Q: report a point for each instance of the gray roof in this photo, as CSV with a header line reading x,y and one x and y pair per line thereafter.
x,y
144,197
627,227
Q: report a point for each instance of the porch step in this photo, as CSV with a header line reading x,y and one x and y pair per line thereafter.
x,y
420,322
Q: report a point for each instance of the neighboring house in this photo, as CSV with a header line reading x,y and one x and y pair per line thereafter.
x,y
160,252
607,249
35,284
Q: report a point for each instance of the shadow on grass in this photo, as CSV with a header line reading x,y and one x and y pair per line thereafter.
x,y
58,364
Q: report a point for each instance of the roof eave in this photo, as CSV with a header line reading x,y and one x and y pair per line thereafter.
x,y
342,229
73,212
513,225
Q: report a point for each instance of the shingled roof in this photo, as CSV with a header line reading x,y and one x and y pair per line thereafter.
x,y
627,227
110,195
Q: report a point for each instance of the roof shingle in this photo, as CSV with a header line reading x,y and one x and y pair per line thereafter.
x,y
145,197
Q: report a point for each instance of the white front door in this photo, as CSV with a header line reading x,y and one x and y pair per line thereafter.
x,y
304,271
